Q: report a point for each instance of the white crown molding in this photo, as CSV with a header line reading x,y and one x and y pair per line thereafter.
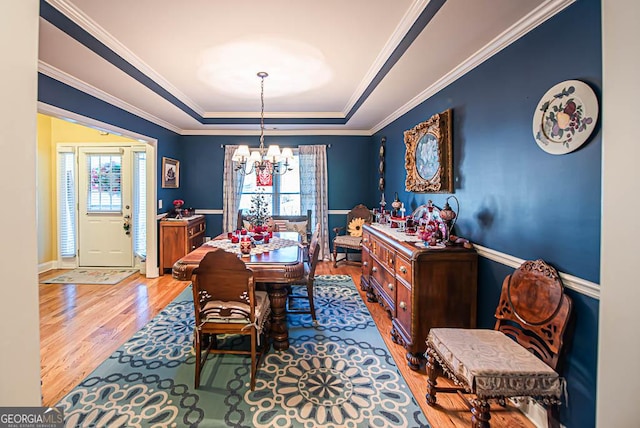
x,y
54,111
396,37
276,115
580,285
67,79
278,132
529,22
91,27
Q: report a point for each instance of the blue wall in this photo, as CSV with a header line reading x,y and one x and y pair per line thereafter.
x,y
516,198
348,161
58,94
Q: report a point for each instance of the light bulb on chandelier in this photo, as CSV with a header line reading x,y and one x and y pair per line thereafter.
x,y
263,160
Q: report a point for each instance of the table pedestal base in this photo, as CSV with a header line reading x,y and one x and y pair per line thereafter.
x,y
279,331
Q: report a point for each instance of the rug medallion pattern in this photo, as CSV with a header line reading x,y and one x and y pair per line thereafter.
x,y
337,373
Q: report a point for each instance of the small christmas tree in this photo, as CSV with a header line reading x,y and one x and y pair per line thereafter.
x,y
259,211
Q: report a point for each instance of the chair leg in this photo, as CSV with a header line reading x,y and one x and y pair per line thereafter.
x,y
196,346
553,415
480,414
253,359
335,256
312,307
432,376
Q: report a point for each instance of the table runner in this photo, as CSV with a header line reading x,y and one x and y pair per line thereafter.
x,y
275,243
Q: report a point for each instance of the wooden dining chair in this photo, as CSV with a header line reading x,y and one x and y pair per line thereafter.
x,y
352,239
519,358
226,302
308,280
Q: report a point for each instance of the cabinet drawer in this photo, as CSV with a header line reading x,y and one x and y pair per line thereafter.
x,y
386,282
404,308
195,229
366,240
385,255
403,269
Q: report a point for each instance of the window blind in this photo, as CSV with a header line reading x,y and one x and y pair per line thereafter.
x,y
67,204
140,204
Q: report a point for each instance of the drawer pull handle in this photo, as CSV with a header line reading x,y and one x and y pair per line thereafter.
x,y
374,269
403,306
365,240
390,286
403,269
365,263
390,261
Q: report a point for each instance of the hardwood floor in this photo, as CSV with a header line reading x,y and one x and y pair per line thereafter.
x,y
81,325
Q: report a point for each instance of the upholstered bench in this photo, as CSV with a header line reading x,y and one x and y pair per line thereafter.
x,y
518,358
491,364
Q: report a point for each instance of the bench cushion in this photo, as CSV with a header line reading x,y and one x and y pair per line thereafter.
x,y
491,364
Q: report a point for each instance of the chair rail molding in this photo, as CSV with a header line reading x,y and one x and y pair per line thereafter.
x,y
580,285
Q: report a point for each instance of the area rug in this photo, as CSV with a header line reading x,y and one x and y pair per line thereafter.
x,y
337,373
92,276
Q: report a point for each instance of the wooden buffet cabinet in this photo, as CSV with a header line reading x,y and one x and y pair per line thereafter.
x,y
421,288
178,237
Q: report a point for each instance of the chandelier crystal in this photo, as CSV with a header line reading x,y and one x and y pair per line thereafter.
x,y
262,160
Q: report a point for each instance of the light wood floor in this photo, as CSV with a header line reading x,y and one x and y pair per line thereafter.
x,y
81,325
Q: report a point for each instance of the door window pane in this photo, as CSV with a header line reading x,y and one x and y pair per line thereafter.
x,y
104,193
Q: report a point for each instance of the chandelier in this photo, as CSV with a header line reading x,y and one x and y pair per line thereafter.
x,y
263,161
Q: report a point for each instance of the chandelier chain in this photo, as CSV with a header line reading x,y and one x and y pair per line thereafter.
x,y
262,114
262,160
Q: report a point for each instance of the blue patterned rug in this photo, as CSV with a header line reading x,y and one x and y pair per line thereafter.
x,y
336,374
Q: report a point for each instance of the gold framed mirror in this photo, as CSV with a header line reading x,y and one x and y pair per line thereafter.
x,y
429,155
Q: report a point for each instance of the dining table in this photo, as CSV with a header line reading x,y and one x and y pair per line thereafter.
x,y
275,265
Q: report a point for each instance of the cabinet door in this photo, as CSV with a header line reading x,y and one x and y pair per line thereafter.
x,y
385,285
366,264
404,307
173,242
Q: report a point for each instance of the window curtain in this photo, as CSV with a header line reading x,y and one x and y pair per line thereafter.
x,y
231,191
313,191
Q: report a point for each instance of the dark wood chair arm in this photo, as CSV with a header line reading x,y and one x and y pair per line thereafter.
x,y
337,230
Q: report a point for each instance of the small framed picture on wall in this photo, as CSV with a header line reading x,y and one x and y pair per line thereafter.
x,y
170,173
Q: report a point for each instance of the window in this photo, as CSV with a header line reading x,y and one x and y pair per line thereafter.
x,y
67,204
140,204
283,198
104,193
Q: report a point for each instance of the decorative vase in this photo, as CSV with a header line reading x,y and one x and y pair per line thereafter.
x,y
177,209
396,205
245,246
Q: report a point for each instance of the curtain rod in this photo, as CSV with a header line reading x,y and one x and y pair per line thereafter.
x,y
222,146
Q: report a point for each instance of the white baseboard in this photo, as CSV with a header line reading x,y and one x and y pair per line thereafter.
x,y
47,266
535,412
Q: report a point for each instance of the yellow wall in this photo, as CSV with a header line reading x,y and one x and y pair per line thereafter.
x,y
51,132
44,191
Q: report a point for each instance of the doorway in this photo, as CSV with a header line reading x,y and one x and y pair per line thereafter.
x,y
105,206
145,155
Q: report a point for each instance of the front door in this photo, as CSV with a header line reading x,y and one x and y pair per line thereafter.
x,y
104,178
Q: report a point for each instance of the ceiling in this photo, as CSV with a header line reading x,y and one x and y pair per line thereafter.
x,y
335,66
